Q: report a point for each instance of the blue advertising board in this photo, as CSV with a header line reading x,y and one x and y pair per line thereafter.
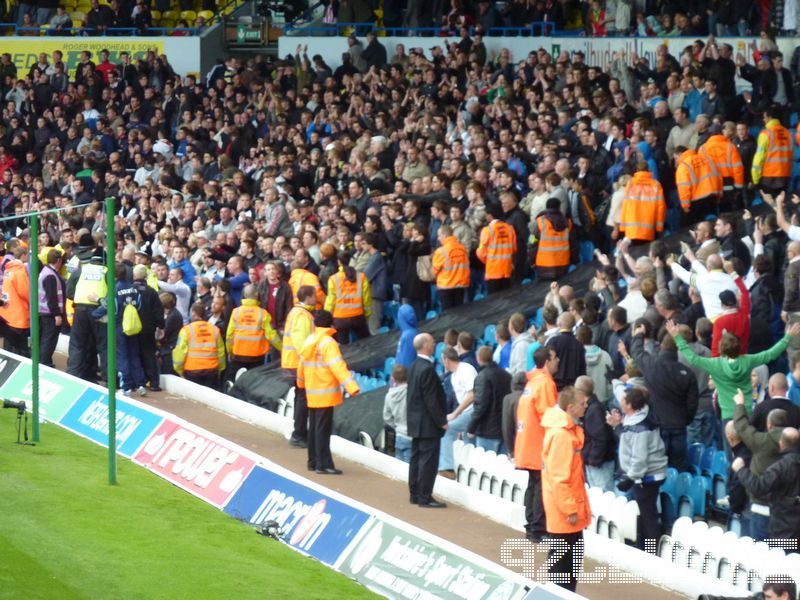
x,y
89,417
311,521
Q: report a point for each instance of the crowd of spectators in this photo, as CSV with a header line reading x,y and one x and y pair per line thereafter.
x,y
430,180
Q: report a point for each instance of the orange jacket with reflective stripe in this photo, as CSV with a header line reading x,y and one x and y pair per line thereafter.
x,y
539,395
554,250
301,277
348,302
246,337
322,371
696,179
451,264
778,161
299,325
497,247
202,350
643,208
725,158
16,308
563,482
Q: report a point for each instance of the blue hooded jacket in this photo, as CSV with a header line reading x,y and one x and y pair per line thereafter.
x,y
647,155
407,320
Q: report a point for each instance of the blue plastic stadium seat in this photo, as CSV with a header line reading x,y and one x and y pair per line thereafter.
x,y
572,268
526,281
479,296
390,309
437,353
699,492
586,251
695,456
669,497
388,365
684,494
431,314
488,334
538,320
707,460
383,329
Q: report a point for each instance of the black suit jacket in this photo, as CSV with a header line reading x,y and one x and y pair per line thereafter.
x,y
762,409
491,385
426,405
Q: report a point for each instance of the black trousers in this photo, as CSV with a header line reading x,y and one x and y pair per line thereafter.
x,y
48,339
16,340
646,496
451,297
497,285
423,468
87,340
535,524
300,432
203,378
566,559
320,426
699,209
150,358
358,325
235,364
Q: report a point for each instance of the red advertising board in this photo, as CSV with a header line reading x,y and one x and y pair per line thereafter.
x,y
193,459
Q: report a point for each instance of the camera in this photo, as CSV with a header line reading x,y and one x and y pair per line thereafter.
x,y
20,406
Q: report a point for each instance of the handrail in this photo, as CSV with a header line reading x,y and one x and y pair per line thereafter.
x,y
539,28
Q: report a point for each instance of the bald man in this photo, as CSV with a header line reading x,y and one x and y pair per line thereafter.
x,y
778,392
709,279
427,421
571,353
780,485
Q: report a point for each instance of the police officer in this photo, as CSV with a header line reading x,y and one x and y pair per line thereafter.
x,y
86,287
52,305
249,334
299,326
323,373
200,352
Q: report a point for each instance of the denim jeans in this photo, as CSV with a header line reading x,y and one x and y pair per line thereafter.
x,y
454,427
756,526
487,444
704,429
402,448
676,448
601,477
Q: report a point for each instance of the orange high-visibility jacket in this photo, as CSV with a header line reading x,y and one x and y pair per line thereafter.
x,y
16,308
539,394
778,159
347,299
554,249
497,246
643,208
301,277
451,264
200,343
299,325
563,482
696,179
250,331
725,158
322,371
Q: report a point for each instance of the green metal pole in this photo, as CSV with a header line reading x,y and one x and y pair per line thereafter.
x,y
33,263
111,376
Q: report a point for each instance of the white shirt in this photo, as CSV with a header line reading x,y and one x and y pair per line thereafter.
x,y
462,380
635,304
183,296
709,284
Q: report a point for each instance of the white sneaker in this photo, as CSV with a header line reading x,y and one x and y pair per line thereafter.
x,y
142,390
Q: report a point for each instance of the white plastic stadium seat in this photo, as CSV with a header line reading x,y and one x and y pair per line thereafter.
x,y
595,497
475,467
366,440
727,556
616,518
681,540
696,546
629,521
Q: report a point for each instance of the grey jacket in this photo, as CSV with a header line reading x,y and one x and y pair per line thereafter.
x,y
394,409
641,449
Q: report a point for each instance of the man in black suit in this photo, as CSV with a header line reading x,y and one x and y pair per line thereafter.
x,y
427,422
778,391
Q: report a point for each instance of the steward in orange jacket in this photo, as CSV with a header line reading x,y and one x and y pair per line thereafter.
x,y
725,159
539,395
249,334
496,248
349,299
566,502
15,309
699,184
301,277
450,264
299,327
556,248
322,372
643,210
772,162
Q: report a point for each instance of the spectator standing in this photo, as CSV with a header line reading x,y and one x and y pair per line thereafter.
x,y
407,322
600,445
571,353
490,386
52,305
772,162
323,373
377,273
510,403
275,294
556,248
462,381
173,323
777,392
598,365
129,362
87,337
735,318
394,412
564,487
299,326
644,210
539,395
520,342
152,316
427,422
199,355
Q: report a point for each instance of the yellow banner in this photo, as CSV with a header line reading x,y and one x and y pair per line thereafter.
x,y
25,51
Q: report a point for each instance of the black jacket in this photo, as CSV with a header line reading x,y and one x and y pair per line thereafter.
x,y
490,387
426,405
761,410
672,386
731,246
283,302
781,484
571,358
600,444
152,313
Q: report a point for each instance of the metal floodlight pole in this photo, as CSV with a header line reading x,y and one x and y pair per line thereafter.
x,y
33,272
111,345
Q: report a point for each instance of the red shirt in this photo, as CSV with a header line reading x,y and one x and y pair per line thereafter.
x,y
737,323
271,291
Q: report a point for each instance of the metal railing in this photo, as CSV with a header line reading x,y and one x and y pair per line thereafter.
x,y
19,30
334,29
